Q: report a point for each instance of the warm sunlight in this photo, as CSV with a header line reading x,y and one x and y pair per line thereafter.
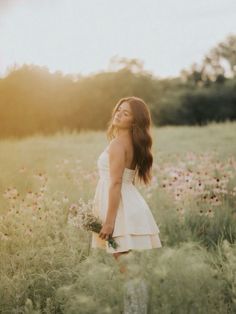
x,y
117,156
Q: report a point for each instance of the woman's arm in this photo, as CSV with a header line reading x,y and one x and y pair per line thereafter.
x,y
116,167
113,203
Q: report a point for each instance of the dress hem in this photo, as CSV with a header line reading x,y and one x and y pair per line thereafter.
x,y
128,242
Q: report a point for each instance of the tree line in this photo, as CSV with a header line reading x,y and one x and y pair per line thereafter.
x,y
33,100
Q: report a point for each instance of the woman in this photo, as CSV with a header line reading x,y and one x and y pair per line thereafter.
x,y
124,213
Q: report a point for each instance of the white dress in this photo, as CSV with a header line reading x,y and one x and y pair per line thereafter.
x,y
135,227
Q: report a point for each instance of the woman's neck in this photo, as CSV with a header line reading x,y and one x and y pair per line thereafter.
x,y
123,133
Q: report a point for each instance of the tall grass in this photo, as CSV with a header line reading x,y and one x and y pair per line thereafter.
x,y
48,266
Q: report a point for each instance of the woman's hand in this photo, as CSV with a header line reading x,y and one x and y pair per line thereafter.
x,y
106,231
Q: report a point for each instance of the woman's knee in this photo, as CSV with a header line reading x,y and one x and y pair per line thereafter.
x,y
116,255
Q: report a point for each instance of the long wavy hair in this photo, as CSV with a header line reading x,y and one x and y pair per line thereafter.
x,y
141,136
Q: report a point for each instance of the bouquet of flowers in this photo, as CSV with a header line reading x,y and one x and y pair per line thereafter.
x,y
83,217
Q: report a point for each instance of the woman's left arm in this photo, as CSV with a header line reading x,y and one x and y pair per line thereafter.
x,y
116,166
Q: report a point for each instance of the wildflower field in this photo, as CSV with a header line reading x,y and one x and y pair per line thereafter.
x,y
46,262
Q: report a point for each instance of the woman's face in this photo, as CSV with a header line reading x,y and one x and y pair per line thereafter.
x,y
123,117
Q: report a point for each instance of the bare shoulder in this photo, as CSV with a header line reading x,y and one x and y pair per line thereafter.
x,y
117,147
116,160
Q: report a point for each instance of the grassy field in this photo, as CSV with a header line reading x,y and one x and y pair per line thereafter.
x,y
47,265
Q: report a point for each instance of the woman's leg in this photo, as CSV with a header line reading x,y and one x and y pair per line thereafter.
x,y
116,256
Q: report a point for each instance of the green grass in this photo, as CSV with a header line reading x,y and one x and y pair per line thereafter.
x,y
47,265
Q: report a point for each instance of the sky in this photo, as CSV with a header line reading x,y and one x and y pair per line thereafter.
x,y
81,36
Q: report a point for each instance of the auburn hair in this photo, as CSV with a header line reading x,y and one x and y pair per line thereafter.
x,y
141,136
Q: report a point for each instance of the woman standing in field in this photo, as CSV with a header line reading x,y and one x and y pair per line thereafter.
x,y
124,213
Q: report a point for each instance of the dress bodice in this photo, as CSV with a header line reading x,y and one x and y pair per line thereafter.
x,y
103,168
